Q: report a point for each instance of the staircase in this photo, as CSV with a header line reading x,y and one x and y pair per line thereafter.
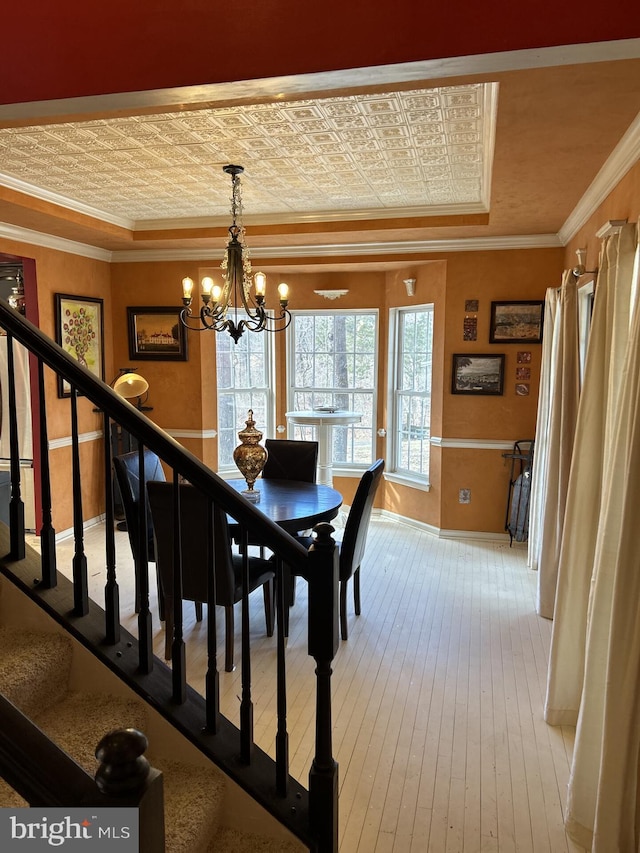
x,y
75,701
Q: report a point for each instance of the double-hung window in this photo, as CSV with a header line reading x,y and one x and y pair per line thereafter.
x,y
332,362
410,358
244,373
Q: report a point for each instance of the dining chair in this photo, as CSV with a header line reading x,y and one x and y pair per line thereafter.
x,y
127,471
288,459
354,539
197,566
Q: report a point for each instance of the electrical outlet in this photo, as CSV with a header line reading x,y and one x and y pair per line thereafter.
x,y
464,496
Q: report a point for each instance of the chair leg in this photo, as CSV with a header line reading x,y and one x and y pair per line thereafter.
x,y
268,592
199,615
356,591
343,610
229,637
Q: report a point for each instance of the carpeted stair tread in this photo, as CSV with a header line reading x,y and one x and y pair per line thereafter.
x,y
232,841
193,797
10,799
80,721
47,660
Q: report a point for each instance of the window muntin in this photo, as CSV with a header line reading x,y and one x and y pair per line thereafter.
x,y
412,355
244,373
333,362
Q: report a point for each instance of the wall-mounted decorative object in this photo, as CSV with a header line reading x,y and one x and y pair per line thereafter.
x,y
524,358
156,334
477,374
523,373
410,285
80,332
470,328
516,322
471,306
332,294
522,389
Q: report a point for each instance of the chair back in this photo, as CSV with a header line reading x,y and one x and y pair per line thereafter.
x,y
127,469
194,540
354,539
291,460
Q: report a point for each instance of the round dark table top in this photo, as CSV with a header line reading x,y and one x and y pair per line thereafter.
x,y
292,504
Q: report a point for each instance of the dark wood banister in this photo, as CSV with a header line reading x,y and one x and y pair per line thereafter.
x,y
120,410
319,566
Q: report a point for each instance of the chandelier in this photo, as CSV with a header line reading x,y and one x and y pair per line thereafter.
x,y
233,307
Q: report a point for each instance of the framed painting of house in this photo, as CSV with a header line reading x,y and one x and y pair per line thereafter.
x,y
80,333
156,334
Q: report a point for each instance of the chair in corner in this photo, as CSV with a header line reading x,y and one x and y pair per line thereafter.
x,y
291,460
127,470
354,539
197,565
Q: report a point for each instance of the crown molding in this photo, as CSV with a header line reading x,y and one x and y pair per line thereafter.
x,y
48,241
625,155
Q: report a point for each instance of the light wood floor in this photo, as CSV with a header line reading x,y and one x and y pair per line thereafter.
x,y
437,696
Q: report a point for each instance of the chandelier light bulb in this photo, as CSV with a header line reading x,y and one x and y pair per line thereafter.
x,y
260,281
283,291
207,285
187,287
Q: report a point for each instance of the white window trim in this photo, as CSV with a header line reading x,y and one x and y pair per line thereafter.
x,y
416,481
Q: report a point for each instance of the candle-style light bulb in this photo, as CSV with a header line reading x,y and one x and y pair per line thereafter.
x,y
283,291
207,285
260,281
187,287
216,292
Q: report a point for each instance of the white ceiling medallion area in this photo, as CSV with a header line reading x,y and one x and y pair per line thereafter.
x,y
417,152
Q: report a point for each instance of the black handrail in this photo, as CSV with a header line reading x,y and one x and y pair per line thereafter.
x,y
134,421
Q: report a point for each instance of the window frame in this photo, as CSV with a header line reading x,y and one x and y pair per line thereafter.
x,y
394,472
268,428
342,468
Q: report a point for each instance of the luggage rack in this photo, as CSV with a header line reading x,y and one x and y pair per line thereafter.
x,y
517,515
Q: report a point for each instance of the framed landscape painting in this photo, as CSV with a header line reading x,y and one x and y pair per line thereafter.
x,y
517,322
477,374
156,334
80,332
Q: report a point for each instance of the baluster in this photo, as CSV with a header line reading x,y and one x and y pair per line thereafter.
x,y
282,736
178,658
145,642
246,704
80,580
47,531
111,590
323,577
16,506
212,679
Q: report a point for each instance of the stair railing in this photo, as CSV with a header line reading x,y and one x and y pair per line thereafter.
x,y
314,814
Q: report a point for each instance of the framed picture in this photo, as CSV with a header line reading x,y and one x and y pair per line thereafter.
x,y
156,334
516,322
477,374
80,332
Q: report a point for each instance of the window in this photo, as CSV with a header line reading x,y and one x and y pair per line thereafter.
x,y
411,348
244,373
332,361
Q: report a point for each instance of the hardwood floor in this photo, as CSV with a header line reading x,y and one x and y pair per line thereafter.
x,y
437,696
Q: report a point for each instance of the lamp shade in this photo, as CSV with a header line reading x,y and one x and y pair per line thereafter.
x,y
130,385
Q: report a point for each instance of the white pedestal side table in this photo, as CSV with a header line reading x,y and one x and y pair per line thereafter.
x,y
323,421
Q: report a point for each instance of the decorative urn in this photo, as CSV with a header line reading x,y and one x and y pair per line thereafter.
x,y
250,457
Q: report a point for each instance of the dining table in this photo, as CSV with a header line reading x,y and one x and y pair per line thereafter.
x,y
292,504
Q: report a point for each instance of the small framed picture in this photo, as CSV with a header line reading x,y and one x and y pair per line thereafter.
x,y
156,334
524,358
522,389
523,373
516,322
80,332
477,374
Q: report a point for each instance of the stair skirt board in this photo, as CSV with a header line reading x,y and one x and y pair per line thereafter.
x,y
75,700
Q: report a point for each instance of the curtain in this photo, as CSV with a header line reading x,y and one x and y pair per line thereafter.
x,y
555,429
591,456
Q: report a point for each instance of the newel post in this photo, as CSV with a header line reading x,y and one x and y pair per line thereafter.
x,y
126,778
323,579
